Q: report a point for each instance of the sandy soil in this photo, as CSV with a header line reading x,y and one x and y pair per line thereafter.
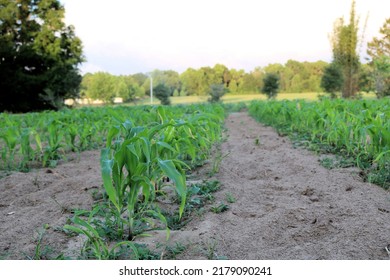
x,y
41,197
287,205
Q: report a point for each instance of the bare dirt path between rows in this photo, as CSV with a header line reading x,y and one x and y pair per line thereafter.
x,y
287,205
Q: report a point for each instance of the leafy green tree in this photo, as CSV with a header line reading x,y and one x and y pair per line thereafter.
x,y
271,85
366,78
216,91
39,56
222,74
139,78
169,78
191,80
233,86
379,51
176,93
162,92
128,89
249,83
85,84
381,76
332,79
102,86
344,42
380,46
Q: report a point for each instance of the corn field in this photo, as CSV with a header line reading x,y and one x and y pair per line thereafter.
x,y
140,148
147,154
41,139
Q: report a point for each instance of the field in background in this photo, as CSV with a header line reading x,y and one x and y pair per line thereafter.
x,y
233,98
229,98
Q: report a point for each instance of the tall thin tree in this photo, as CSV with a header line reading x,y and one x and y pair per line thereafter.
x,y
344,43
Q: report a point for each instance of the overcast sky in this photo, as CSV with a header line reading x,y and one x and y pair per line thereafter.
x,y
130,36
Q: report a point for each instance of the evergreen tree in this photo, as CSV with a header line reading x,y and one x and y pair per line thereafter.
x,y
332,79
162,92
216,91
39,56
271,85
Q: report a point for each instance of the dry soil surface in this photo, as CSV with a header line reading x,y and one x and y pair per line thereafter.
x,y
287,205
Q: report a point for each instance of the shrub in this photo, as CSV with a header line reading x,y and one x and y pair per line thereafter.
x,y
271,85
162,92
216,92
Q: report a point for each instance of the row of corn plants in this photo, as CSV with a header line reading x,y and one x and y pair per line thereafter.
x,y
358,129
135,163
43,138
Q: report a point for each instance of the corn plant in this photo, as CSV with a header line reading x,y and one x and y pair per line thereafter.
x,y
134,166
10,137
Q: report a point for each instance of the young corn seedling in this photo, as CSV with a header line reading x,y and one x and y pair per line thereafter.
x,y
54,139
95,244
11,138
131,167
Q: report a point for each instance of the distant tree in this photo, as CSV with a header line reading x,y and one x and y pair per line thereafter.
x,y
249,84
39,56
128,89
380,46
366,78
233,86
381,76
216,91
169,78
139,78
176,93
162,92
271,85
222,73
208,78
85,84
102,86
344,43
332,80
193,81
379,51
258,78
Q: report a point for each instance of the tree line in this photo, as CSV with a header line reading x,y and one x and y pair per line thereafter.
x,y
294,77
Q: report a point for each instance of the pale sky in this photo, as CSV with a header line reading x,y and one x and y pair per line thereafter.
x,y
130,36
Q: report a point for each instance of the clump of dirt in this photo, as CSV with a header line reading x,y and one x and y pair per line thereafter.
x,y
282,205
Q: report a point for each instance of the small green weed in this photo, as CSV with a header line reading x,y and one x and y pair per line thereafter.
x,y
171,252
209,187
46,252
336,162
211,252
230,198
217,162
222,207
